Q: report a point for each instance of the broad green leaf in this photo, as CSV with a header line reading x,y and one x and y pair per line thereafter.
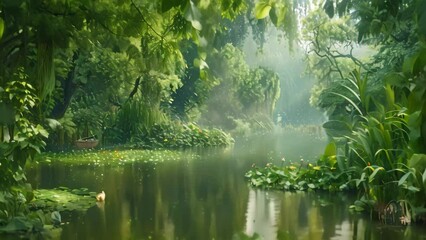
x,y
330,153
403,178
261,10
408,65
278,14
337,128
418,161
193,15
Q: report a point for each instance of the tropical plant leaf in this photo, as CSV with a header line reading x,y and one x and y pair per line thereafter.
x,y
330,149
337,128
278,14
404,178
361,179
408,65
371,177
350,101
418,161
262,9
356,95
193,15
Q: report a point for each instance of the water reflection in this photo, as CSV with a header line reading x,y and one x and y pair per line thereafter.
x,y
205,198
261,215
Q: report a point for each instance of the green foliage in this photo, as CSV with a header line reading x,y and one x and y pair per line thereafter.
x,y
293,177
25,137
16,218
377,122
281,14
115,157
62,199
262,9
243,93
133,119
178,135
259,91
28,213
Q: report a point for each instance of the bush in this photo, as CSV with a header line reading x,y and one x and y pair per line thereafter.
x,y
178,135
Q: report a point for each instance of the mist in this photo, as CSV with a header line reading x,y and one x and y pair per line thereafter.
x,y
295,82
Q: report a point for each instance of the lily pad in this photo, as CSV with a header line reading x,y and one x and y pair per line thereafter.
x,y
114,157
63,199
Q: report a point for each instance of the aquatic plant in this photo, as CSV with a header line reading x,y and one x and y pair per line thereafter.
x,y
32,213
117,157
62,199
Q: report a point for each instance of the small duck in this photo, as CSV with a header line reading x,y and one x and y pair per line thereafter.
x,y
100,197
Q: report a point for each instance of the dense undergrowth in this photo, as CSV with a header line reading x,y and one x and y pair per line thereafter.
x,y
183,136
35,214
399,201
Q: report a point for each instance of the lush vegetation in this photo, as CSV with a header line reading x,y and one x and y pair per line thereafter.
x,y
115,157
141,73
130,72
376,107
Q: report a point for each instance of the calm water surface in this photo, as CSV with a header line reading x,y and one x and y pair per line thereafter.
x,y
208,198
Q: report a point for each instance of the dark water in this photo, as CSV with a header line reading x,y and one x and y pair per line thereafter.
x,y
208,198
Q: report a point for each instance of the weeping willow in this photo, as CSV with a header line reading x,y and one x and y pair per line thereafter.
x,y
137,117
139,114
45,71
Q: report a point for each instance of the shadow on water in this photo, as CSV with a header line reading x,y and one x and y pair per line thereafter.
x,y
208,198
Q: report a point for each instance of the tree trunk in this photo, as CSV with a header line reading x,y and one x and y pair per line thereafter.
x,y
69,89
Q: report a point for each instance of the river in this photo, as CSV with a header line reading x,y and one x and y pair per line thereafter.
x,y
207,197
